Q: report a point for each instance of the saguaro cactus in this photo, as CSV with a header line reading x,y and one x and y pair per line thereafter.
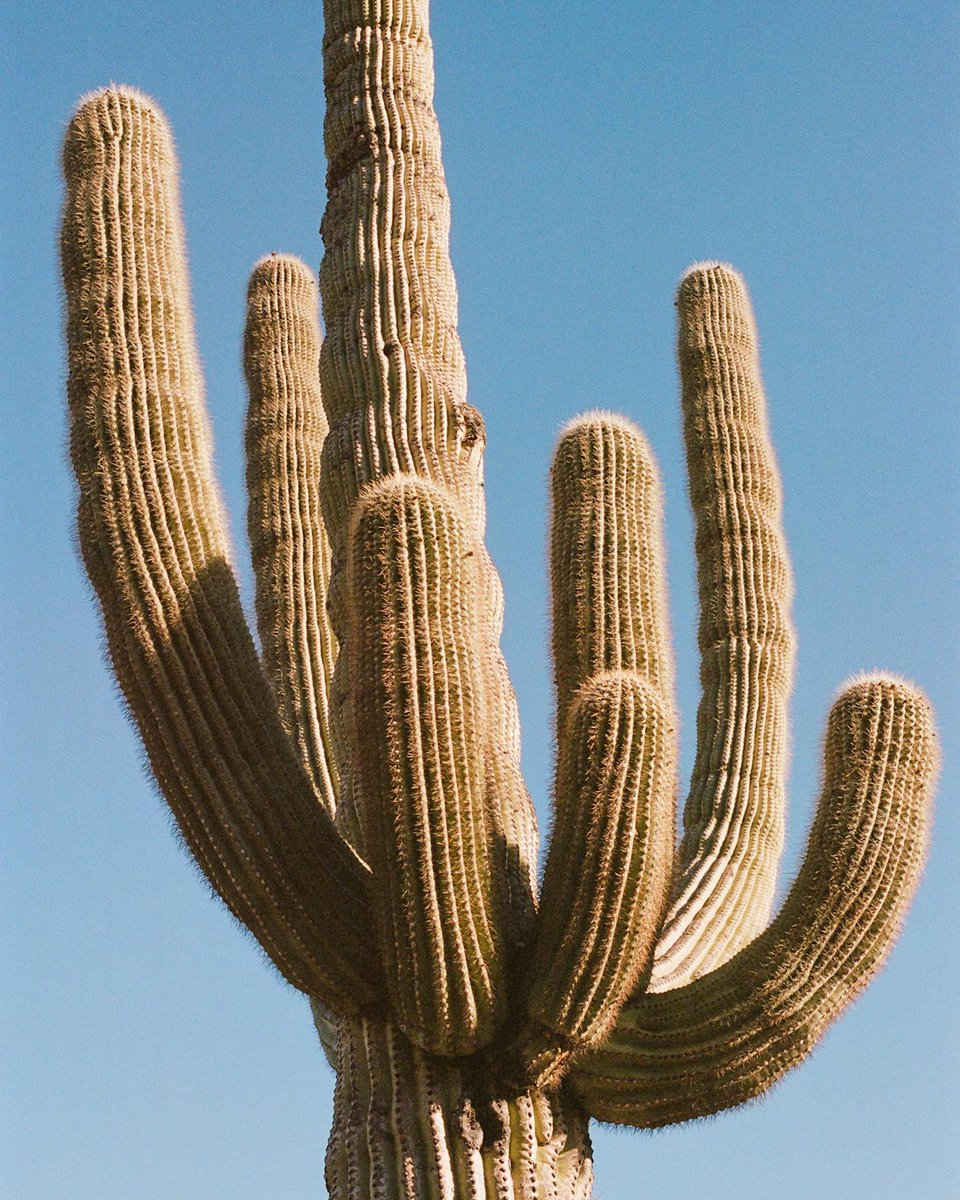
x,y
353,792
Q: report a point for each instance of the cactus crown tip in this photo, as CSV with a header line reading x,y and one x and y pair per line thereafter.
x,y
905,690
277,258
598,417
383,492
286,271
95,110
865,680
122,91
704,266
700,272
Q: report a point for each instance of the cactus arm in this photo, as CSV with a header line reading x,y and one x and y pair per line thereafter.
x,y
607,559
608,871
285,429
726,1037
734,814
152,535
419,714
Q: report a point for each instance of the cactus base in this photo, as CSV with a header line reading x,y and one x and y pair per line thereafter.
x,y
410,1126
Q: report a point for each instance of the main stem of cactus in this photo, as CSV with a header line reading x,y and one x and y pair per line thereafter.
x,y
411,1126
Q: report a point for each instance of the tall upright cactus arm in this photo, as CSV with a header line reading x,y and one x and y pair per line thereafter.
x,y
609,616
152,534
734,815
285,430
726,1037
608,870
429,734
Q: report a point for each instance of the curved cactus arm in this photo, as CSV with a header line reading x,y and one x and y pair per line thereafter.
x,y
608,872
418,712
734,814
726,1037
285,429
152,534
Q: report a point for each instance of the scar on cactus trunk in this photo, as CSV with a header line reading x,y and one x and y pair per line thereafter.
x,y
353,790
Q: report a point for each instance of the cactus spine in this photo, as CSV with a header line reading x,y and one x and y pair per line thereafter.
x,y
354,793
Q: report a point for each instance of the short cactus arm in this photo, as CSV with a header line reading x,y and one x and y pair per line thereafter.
x,y
607,559
152,534
734,814
611,854
419,716
727,1036
286,426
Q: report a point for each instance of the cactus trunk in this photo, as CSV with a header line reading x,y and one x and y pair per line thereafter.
x,y
409,1126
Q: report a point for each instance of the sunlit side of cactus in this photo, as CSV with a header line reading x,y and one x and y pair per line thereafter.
x,y
353,792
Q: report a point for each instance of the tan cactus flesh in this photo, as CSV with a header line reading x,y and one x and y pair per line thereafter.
x,y
153,538
609,865
734,816
445,1144
286,427
355,795
418,720
726,1037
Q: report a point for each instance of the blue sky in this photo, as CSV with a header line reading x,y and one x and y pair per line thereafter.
x,y
592,152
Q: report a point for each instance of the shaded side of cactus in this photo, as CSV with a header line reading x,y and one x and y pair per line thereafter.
x,y
353,793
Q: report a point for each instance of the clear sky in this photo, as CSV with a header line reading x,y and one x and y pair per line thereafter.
x,y
593,150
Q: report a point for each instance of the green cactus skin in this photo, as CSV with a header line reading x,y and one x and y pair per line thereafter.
x,y
354,794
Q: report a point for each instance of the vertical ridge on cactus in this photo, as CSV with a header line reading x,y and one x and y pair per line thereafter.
x,y
445,1145
356,798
